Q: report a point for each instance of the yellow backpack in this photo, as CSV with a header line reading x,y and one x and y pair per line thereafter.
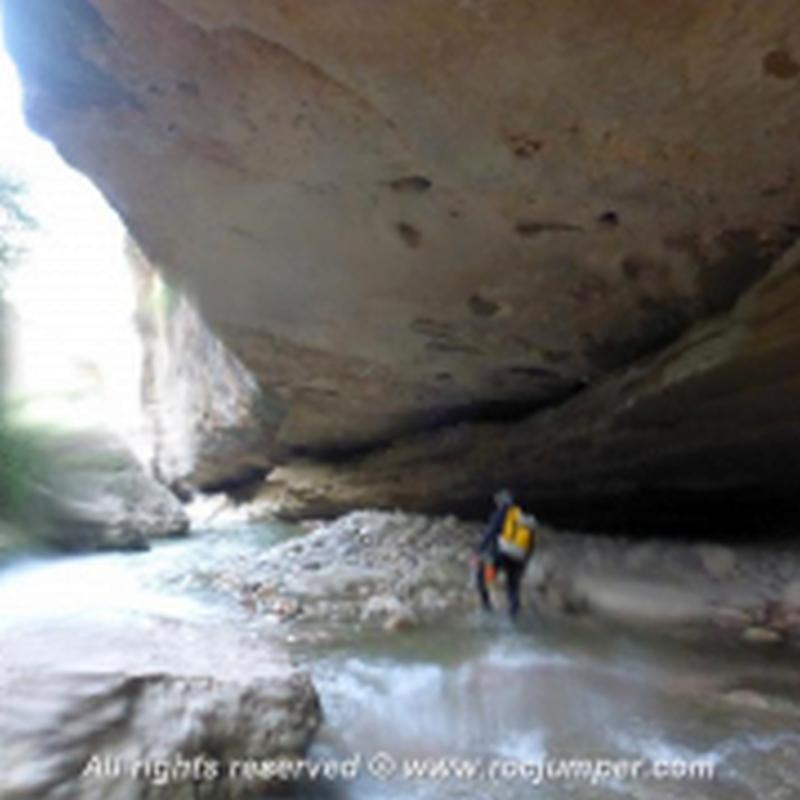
x,y
516,538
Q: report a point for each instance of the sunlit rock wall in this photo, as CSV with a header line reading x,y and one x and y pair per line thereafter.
x,y
207,424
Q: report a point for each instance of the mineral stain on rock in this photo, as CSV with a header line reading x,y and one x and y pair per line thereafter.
x,y
188,88
411,236
746,256
432,328
633,268
608,219
533,372
411,184
524,146
780,64
529,227
482,307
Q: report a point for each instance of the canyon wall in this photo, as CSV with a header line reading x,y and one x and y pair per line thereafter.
x,y
208,426
464,243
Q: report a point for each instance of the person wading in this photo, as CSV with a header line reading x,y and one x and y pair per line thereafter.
x,y
506,547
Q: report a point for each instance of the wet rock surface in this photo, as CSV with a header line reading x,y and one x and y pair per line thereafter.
x,y
395,571
662,585
157,709
366,570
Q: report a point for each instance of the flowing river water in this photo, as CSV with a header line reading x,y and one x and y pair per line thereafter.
x,y
492,705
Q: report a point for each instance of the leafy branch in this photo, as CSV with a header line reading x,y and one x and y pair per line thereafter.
x,y
14,223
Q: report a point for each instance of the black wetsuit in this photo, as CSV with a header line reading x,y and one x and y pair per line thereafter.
x,y
489,553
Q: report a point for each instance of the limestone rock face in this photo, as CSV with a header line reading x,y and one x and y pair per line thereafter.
x,y
704,434
209,424
402,216
161,710
100,497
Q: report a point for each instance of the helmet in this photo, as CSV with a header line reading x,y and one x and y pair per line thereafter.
x,y
503,497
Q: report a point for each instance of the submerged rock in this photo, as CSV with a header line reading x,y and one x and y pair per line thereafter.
x,y
758,635
393,614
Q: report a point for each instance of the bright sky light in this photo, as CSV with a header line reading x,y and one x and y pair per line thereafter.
x,y
73,293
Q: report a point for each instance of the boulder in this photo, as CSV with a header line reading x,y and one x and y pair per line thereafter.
x,y
378,570
733,618
759,635
719,562
99,497
165,710
388,611
791,595
642,603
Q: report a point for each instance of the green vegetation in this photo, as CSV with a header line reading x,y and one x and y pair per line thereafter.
x,y
21,454
14,222
22,465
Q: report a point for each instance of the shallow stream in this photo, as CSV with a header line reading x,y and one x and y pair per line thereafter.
x,y
484,709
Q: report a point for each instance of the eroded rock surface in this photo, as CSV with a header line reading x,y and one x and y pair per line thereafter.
x,y
209,424
392,571
98,496
402,216
701,439
156,711
367,569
